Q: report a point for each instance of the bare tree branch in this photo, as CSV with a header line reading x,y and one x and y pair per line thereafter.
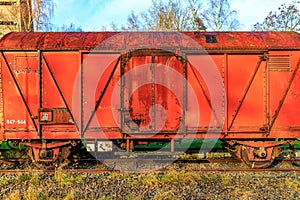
x,y
219,16
28,15
42,12
286,19
169,15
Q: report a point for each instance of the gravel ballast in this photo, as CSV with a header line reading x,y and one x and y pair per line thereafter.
x,y
173,184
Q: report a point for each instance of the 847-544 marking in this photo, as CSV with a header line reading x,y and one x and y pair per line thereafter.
x,y
16,121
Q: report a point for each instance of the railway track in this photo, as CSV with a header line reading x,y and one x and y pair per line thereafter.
x,y
15,166
216,156
163,160
98,171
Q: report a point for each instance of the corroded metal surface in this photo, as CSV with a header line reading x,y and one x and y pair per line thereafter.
x,y
208,40
146,87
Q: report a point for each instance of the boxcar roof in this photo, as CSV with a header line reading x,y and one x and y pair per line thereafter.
x,y
118,41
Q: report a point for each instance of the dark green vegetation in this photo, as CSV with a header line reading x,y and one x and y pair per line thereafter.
x,y
8,150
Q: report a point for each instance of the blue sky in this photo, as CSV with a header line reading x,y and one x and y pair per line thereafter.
x,y
92,15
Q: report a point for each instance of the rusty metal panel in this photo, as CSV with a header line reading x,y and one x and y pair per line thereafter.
x,y
245,92
153,98
288,115
59,76
20,83
219,40
252,98
100,75
60,71
26,63
200,108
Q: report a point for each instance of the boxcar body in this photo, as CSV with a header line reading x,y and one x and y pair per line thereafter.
x,y
60,88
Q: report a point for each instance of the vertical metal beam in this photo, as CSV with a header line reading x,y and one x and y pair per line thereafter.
x,y
266,99
81,96
122,82
2,122
40,67
225,71
123,59
153,114
129,145
183,60
184,92
172,145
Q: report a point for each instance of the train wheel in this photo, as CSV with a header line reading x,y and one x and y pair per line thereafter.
x,y
234,150
49,158
266,158
37,163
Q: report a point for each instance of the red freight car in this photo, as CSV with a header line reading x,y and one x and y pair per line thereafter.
x,y
121,89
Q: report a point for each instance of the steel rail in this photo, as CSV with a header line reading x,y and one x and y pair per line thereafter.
x,y
99,171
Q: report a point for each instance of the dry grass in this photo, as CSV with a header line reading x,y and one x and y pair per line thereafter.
x,y
32,193
65,179
293,183
151,180
14,196
132,197
171,176
172,184
71,195
226,179
167,195
246,195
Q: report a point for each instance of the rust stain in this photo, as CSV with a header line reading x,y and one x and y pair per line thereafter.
x,y
90,40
